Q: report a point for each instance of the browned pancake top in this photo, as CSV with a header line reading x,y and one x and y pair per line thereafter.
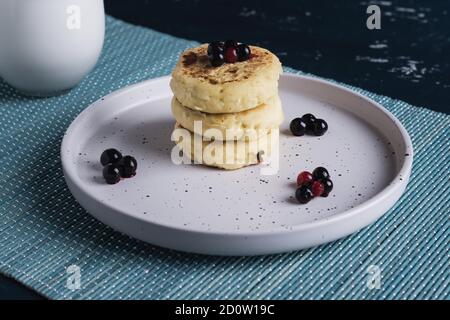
x,y
194,63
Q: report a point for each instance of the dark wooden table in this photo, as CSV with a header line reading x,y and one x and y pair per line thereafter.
x,y
408,58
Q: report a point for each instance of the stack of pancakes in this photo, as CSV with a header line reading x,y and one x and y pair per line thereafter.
x,y
237,105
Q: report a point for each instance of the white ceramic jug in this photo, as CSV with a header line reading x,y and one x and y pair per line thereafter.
x,y
48,46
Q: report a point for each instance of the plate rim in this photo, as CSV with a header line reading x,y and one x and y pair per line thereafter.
x,y
393,187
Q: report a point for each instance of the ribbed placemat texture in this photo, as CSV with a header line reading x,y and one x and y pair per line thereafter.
x,y
43,230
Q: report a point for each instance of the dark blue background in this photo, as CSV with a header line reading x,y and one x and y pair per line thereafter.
x,y
408,59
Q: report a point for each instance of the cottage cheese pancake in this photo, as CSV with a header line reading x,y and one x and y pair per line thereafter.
x,y
228,155
247,124
231,87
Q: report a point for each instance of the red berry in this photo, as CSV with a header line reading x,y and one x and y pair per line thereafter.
x,y
231,55
304,177
317,188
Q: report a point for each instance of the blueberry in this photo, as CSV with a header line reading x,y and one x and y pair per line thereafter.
x,y
127,166
320,173
243,52
328,186
111,173
298,127
303,194
309,120
110,156
320,127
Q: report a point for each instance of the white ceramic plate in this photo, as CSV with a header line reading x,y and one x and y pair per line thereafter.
x,y
199,209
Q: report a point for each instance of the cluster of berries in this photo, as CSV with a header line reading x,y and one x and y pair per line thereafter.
x,y
308,124
230,51
315,184
116,167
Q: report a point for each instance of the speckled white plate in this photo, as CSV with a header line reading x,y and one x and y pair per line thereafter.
x,y
199,209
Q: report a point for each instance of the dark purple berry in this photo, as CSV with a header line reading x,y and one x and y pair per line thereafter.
x,y
309,120
216,53
308,117
320,127
243,52
128,166
214,47
111,173
259,156
303,194
217,60
298,127
328,186
230,44
320,173
110,156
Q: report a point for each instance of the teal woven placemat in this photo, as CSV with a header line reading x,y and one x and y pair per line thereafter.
x,y
43,230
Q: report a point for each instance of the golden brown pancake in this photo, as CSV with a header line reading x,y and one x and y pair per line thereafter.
x,y
245,125
231,87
